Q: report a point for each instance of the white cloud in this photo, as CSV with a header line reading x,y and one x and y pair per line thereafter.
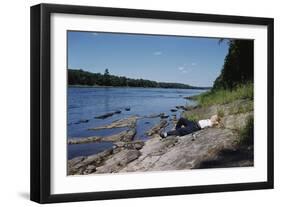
x,y
185,69
157,53
194,64
181,68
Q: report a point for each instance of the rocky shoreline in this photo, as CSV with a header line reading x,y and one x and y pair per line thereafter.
x,y
211,147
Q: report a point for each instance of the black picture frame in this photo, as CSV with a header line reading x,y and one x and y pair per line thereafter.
x,y
41,95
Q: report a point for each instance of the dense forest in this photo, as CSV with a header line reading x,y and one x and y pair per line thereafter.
x,y
85,78
238,65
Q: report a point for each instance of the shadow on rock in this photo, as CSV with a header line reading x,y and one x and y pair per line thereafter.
x,y
243,157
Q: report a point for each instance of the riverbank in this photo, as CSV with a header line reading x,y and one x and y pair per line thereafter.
x,y
230,145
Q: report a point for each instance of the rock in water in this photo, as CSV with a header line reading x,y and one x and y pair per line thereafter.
x,y
182,107
164,116
154,115
156,129
104,116
82,121
125,136
127,122
84,140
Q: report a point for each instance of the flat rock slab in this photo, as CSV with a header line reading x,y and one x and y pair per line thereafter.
x,y
83,140
212,147
186,152
87,164
110,160
138,144
124,136
118,161
127,122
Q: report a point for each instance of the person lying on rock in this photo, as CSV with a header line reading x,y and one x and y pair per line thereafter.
x,y
185,126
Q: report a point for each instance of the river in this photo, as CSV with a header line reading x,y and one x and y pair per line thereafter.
x,y
84,104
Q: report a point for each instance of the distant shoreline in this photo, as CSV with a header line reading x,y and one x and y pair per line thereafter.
x,y
98,86
84,78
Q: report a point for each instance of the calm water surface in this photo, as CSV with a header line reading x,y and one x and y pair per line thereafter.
x,y
86,103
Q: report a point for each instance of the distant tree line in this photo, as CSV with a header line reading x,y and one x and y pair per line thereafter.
x,y
238,65
81,77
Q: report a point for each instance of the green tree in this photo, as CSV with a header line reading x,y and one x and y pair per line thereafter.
x,y
81,77
107,81
238,65
106,72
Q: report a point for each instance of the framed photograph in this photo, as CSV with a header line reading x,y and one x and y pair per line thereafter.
x,y
133,103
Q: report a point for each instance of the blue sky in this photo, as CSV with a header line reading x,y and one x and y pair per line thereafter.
x,y
194,61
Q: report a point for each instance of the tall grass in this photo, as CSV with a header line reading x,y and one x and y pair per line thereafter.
x,y
246,134
223,96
